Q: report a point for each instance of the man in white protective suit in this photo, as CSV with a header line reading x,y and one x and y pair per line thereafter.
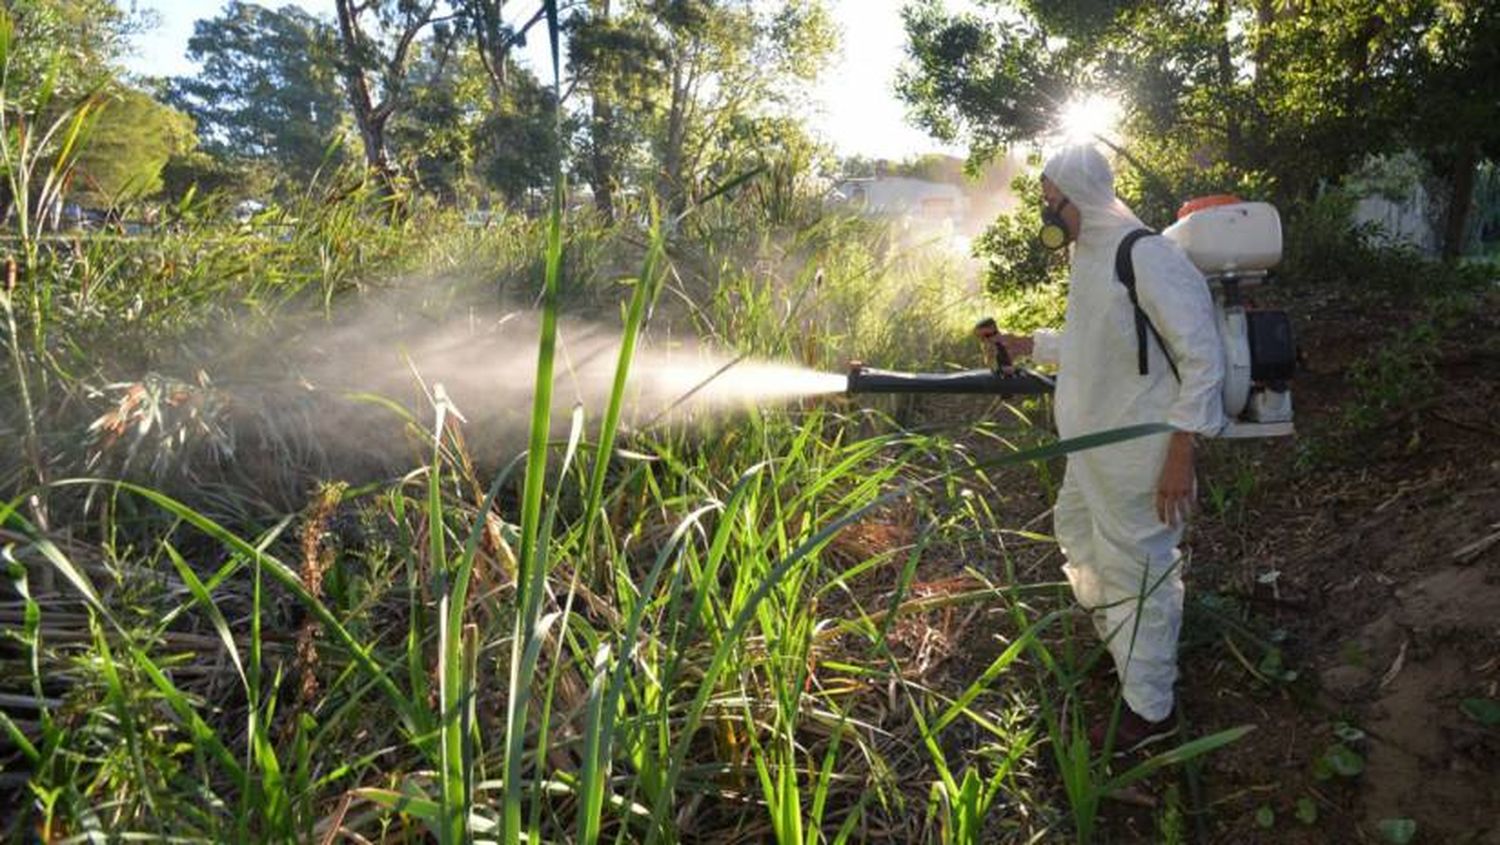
x,y
1123,507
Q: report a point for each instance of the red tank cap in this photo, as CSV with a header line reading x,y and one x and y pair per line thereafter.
x,y
1200,203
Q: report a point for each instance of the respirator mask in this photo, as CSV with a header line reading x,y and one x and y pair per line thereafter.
x,y
1054,233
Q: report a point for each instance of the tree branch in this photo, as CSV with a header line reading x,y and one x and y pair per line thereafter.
x,y
396,68
517,36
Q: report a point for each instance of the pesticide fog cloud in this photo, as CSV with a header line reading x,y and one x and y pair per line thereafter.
x,y
485,362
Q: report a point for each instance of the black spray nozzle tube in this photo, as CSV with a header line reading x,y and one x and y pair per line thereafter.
x,y
864,379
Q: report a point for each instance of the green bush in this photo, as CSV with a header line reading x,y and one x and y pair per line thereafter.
x,y
1160,172
1024,310
1014,257
1324,247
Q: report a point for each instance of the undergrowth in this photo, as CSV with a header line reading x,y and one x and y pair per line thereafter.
x,y
214,632
666,644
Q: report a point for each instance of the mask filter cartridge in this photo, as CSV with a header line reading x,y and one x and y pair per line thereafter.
x,y
1054,233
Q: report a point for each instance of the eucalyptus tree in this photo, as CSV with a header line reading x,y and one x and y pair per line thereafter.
x,y
376,40
671,81
268,87
612,60
498,28
515,139
458,142
722,61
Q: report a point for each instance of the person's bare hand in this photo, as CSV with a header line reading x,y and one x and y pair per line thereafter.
x,y
1175,488
1004,347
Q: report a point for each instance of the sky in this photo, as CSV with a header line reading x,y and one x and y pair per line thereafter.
x,y
855,103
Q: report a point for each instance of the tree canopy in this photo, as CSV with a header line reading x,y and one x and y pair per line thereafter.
x,y
670,83
267,88
76,44
1267,98
132,139
673,97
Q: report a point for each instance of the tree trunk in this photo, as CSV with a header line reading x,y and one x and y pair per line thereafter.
x,y
1265,18
1226,84
602,176
669,182
494,49
370,119
372,135
1461,197
602,156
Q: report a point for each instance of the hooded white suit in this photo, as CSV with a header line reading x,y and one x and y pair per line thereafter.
x,y
1120,556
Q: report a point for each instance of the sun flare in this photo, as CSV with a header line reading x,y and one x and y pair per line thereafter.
x,y
1088,117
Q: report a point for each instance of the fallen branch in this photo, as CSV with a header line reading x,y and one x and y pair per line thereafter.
x,y
1469,553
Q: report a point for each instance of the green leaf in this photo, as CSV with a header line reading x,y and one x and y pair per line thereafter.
x,y
1271,662
1397,831
1485,711
987,679
1273,665
1343,760
1181,754
1307,810
289,579
643,296
429,811
1265,816
1321,769
535,547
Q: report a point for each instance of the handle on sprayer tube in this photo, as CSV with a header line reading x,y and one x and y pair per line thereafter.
x,y
988,333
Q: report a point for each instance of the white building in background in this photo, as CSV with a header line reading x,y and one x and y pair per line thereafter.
x,y
902,196
1406,220
1392,199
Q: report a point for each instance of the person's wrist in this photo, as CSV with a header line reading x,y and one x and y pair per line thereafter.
x,y
1183,442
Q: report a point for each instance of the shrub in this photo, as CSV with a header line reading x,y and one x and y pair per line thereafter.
x,y
1323,246
1015,259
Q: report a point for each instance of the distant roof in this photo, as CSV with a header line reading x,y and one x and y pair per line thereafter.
x,y
897,186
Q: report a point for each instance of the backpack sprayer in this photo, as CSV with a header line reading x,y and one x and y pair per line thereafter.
x,y
1234,244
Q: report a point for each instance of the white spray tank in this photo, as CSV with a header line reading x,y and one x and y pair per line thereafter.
x,y
1235,244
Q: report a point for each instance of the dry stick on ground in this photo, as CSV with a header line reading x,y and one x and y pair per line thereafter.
x,y
1480,428
1470,553
10,700
168,640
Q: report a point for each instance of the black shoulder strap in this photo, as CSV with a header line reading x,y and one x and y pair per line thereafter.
x,y
1125,271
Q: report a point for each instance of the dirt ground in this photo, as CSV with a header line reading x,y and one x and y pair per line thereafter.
x,y
1383,573
1348,606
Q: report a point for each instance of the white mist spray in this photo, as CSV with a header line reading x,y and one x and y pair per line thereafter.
x,y
487,367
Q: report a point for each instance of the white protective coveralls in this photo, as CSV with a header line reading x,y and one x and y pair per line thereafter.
x,y
1116,546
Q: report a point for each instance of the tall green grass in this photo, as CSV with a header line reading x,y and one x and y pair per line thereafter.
x,y
662,635
690,675
686,647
